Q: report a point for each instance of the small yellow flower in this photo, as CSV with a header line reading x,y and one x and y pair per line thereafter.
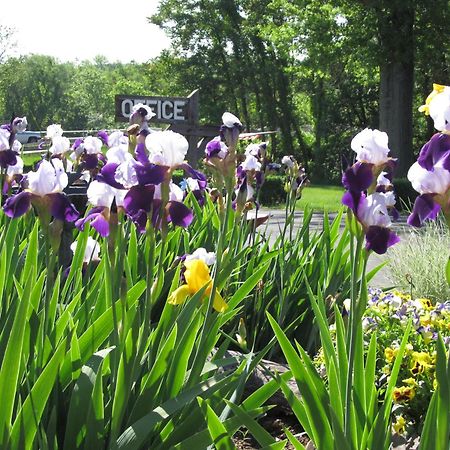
x,y
399,425
197,276
426,302
437,89
421,362
403,394
390,354
404,297
410,382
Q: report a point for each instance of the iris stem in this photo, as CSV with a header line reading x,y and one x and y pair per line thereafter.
x,y
355,286
196,368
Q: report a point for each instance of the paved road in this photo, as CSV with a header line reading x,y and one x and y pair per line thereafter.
x,y
276,223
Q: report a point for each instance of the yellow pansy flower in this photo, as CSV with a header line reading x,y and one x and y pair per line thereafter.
x,y
399,425
197,276
421,362
426,302
437,89
390,354
410,382
403,394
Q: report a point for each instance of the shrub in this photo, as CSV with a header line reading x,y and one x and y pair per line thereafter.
x,y
272,191
418,263
405,193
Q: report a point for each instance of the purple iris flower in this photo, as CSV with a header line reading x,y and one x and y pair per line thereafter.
x,y
196,175
425,208
103,136
44,191
216,148
98,220
230,130
141,201
436,150
103,197
371,211
358,178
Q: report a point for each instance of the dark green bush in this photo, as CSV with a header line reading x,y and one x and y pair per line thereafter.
x,y
272,191
405,193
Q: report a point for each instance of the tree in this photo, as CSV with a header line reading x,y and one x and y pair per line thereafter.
x,y
7,41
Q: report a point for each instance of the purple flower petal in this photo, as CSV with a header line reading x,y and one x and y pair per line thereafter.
x,y
140,220
179,214
97,219
240,173
103,135
107,175
199,196
424,208
150,173
139,198
196,175
8,158
77,143
17,205
358,177
435,150
379,239
352,199
141,154
90,161
212,148
101,225
62,208
91,215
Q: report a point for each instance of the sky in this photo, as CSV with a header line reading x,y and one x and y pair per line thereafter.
x,y
82,29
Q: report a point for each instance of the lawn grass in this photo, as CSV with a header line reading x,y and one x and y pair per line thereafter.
x,y
30,159
321,198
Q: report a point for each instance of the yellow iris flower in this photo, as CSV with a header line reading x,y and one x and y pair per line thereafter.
x,y
437,89
197,276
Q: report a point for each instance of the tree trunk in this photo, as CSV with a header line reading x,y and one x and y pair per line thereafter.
x,y
397,82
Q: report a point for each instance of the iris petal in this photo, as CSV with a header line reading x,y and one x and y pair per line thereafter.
x,y
179,295
62,208
17,205
179,214
424,208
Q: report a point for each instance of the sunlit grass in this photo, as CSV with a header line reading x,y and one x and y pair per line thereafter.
x,y
321,198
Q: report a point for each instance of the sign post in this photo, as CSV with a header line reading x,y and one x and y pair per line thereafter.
x,y
182,113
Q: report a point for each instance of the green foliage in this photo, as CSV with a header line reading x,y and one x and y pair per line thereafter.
x,y
418,264
390,312
272,191
405,194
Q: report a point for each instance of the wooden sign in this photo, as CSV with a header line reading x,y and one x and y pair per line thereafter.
x,y
167,109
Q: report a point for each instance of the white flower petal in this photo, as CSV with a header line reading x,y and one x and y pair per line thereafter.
x,y
166,148
371,146
230,120
423,181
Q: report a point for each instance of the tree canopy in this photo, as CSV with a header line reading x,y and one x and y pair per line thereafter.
x,y
317,72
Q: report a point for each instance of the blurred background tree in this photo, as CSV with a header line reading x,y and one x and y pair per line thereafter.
x,y
318,72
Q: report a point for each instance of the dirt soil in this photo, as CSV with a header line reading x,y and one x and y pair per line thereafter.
x,y
274,422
